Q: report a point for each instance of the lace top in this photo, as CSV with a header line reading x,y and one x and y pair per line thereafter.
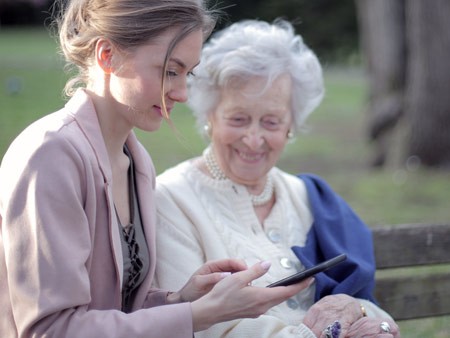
x,y
136,258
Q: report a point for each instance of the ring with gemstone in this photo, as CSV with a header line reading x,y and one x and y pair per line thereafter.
x,y
333,330
385,327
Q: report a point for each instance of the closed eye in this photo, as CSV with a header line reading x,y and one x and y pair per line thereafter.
x,y
270,124
171,73
237,121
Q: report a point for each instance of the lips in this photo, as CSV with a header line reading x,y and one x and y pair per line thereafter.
x,y
159,109
250,157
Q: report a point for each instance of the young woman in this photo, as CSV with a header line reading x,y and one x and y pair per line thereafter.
x,y
77,212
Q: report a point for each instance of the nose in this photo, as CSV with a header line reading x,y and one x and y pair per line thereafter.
x,y
178,92
254,138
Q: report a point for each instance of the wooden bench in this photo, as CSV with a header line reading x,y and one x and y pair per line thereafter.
x,y
413,270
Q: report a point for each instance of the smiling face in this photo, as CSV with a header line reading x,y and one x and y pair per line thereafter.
x,y
249,129
135,85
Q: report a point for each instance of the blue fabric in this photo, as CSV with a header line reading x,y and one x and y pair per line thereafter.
x,y
337,229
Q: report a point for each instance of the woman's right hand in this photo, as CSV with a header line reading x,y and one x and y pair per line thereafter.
x,y
234,297
204,279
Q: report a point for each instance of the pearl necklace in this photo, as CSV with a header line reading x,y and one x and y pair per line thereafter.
x,y
218,174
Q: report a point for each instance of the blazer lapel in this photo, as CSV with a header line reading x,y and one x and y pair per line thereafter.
x,y
83,111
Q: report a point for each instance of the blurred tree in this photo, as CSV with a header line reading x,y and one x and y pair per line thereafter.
x,y
382,32
328,27
427,91
406,44
24,12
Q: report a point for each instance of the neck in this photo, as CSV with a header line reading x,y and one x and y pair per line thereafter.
x,y
217,173
114,129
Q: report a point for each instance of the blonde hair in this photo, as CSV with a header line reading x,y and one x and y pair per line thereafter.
x,y
127,24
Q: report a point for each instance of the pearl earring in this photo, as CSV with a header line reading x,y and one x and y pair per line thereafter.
x,y
207,129
290,135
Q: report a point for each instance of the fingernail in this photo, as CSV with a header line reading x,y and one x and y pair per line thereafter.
x,y
265,265
224,275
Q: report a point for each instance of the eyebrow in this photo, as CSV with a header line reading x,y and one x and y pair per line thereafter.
x,y
181,63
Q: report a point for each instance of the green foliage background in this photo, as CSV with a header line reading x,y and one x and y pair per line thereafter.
x,y
329,27
334,145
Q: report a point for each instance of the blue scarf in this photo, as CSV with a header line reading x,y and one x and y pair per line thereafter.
x,y
337,229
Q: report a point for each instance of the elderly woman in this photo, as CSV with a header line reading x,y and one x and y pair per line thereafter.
x,y
255,85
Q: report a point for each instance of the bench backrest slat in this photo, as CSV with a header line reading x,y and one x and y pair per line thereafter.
x,y
411,245
413,295
425,296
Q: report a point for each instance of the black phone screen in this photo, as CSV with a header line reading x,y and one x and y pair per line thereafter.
x,y
299,276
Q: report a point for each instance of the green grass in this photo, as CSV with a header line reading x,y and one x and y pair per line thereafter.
x,y
30,80
334,145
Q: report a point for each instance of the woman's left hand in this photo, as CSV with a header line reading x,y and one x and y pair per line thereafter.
x,y
326,311
204,279
372,327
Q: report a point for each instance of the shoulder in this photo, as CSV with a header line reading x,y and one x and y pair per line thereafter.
x,y
309,188
45,140
289,182
53,146
313,178
172,185
175,175
316,185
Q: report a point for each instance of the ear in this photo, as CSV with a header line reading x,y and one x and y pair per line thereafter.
x,y
104,55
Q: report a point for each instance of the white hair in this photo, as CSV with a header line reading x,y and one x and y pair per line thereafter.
x,y
256,48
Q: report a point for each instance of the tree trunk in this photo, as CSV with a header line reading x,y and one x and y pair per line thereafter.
x,y
427,97
382,38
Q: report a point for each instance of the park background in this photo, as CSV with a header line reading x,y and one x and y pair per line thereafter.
x,y
336,144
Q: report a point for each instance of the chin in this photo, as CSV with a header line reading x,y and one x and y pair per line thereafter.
x,y
150,127
247,178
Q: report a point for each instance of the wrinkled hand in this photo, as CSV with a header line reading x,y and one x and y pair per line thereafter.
x,y
204,279
234,297
343,308
370,328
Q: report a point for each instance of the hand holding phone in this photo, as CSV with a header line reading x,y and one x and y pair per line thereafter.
x,y
302,275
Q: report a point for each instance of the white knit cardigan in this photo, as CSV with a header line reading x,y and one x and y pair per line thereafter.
x,y
201,219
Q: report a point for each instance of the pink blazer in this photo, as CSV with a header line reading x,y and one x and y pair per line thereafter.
x,y
60,250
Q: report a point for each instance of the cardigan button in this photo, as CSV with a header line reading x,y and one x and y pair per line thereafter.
x,y
292,304
286,263
274,236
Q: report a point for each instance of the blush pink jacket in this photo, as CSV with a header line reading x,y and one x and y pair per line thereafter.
x,y
60,250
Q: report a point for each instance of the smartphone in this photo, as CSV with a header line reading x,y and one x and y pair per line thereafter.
x,y
299,276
